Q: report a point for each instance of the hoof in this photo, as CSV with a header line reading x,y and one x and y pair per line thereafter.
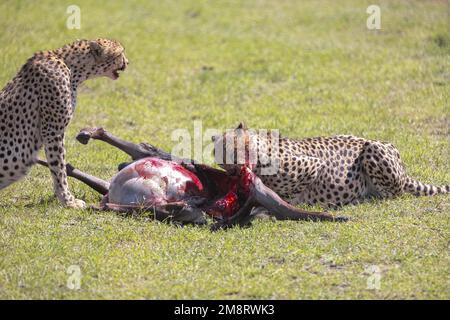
x,y
83,137
341,219
87,133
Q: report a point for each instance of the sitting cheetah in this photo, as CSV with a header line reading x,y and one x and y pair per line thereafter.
x,y
330,171
37,105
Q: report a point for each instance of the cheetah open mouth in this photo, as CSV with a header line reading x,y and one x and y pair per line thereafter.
x,y
116,72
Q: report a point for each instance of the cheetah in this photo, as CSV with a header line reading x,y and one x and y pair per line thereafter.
x,y
38,103
327,171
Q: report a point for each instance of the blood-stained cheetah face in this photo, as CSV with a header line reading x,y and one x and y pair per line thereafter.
x,y
232,149
107,58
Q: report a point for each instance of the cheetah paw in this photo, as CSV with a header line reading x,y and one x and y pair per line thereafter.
x,y
76,204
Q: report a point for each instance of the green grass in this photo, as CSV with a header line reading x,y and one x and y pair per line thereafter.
x,y
306,67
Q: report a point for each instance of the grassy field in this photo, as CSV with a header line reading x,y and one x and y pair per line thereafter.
x,y
305,67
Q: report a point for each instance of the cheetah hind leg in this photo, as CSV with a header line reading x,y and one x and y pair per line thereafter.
x,y
386,174
384,170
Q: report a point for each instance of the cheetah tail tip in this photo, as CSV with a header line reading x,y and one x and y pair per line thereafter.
x,y
418,188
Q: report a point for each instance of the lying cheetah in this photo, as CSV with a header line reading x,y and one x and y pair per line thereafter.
x,y
330,171
37,105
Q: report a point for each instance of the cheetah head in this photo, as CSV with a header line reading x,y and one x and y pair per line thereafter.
x,y
94,58
107,58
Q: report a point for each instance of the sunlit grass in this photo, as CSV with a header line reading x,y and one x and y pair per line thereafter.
x,y
304,67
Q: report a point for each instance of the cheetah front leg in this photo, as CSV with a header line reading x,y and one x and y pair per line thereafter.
x,y
55,152
55,112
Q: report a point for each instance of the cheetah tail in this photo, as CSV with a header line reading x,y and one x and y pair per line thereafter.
x,y
418,188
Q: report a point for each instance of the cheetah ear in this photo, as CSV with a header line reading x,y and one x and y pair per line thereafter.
x,y
242,126
96,50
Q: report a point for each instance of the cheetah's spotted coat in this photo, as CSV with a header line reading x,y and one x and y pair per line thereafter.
x,y
38,103
330,171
